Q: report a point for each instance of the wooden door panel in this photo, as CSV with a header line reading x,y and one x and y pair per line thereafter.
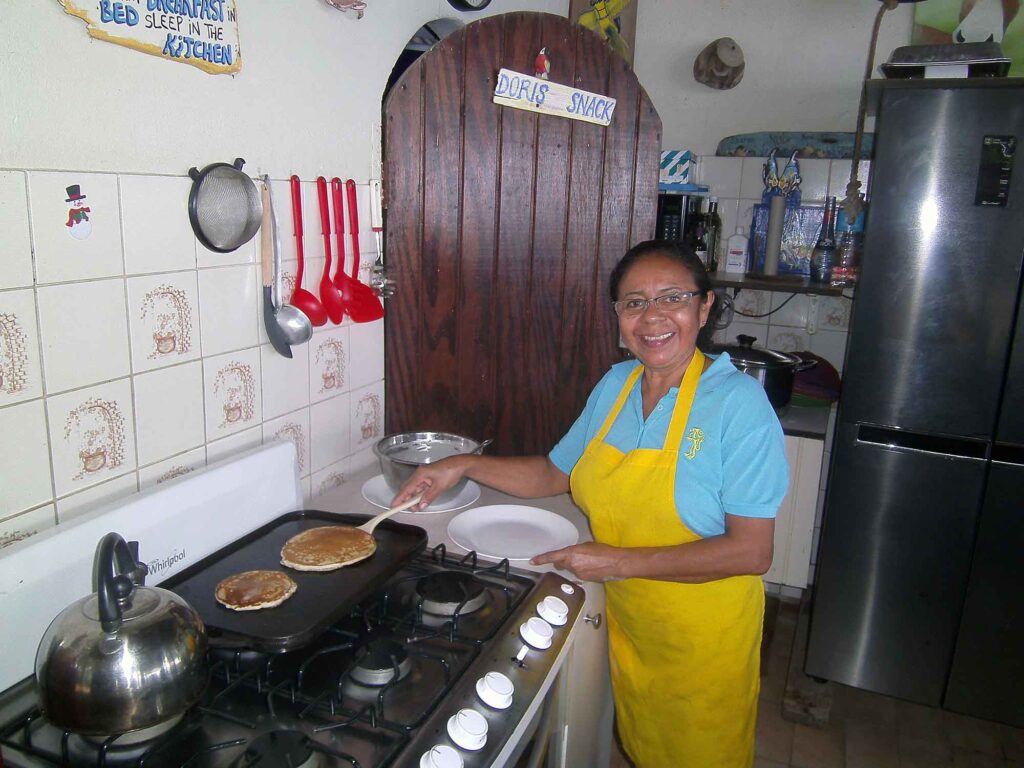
x,y
501,227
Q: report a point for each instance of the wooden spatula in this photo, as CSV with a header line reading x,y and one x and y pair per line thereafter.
x,y
373,522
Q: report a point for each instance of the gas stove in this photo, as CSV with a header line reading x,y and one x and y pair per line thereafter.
x,y
448,663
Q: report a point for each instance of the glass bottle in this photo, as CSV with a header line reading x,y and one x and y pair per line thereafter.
x,y
823,255
712,235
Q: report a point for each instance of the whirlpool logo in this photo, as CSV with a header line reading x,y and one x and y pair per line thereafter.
x,y
161,564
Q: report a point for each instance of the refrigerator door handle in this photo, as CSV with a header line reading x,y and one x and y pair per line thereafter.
x,y
902,440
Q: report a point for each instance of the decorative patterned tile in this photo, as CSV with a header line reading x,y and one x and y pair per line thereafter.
x,y
163,318
787,339
76,226
84,502
169,469
366,363
20,371
834,313
285,381
367,421
235,444
91,435
330,477
227,309
740,327
24,458
169,416
753,303
331,431
85,333
790,310
328,363
232,392
157,233
26,525
15,243
293,427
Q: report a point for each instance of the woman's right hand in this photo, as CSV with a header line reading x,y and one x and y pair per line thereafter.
x,y
431,480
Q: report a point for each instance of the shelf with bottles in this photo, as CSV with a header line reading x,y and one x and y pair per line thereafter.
x,y
779,283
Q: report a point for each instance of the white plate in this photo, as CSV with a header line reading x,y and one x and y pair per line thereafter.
x,y
377,491
511,530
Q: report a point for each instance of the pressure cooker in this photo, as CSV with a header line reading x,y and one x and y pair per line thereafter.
x,y
773,369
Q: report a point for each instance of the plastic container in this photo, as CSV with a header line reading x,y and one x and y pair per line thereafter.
x,y
736,252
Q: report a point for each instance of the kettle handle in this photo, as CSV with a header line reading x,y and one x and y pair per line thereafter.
x,y
113,564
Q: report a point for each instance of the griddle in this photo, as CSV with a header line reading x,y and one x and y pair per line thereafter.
x,y
322,598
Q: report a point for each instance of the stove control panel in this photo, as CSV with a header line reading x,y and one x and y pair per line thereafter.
x,y
503,690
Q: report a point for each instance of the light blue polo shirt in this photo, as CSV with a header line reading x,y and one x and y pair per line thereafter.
x,y
738,462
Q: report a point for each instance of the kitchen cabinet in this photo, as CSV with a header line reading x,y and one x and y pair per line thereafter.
x,y
794,523
501,229
586,710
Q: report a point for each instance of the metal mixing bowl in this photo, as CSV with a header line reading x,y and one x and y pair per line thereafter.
x,y
399,456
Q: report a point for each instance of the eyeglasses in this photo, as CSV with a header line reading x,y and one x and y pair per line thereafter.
x,y
669,302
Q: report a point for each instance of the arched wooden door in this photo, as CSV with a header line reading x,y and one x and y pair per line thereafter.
x,y
501,228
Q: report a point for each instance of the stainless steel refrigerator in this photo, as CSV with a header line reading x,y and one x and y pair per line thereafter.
x,y
919,589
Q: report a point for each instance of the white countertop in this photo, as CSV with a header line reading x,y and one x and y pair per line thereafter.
x,y
348,498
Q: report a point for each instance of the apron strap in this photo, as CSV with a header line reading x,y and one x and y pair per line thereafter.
x,y
684,401
619,402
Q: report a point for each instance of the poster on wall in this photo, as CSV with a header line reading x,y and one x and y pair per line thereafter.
x,y
203,33
973,21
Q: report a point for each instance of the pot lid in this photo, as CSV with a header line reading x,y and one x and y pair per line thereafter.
x,y
750,356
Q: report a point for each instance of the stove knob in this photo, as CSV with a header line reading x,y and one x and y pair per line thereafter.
x,y
495,690
553,611
567,588
441,756
537,632
468,729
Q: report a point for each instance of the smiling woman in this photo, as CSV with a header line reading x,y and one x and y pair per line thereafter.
x,y
678,462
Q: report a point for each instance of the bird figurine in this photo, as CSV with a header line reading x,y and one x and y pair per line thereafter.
x,y
542,65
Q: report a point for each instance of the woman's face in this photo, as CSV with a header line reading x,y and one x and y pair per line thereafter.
x,y
662,338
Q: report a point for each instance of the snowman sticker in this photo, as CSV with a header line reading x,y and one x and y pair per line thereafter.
x,y
78,223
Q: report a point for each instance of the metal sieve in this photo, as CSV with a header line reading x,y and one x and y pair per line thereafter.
x,y
224,206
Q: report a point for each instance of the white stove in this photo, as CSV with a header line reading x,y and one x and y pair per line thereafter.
x,y
446,664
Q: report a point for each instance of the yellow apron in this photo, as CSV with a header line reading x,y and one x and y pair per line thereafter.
x,y
685,658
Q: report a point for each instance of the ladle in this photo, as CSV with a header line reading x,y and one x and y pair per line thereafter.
x,y
307,303
277,338
330,295
342,281
293,323
365,306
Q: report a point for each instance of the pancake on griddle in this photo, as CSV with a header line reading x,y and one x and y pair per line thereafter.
x,y
327,548
255,590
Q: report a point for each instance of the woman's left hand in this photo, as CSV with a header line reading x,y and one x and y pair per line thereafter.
x,y
590,561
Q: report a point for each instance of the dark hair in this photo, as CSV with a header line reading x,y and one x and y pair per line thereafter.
x,y
686,257
676,251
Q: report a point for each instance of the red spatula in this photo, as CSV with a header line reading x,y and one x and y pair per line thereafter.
x,y
365,306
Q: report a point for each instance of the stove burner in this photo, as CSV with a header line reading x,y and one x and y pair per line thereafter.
x,y
142,736
288,749
377,665
449,592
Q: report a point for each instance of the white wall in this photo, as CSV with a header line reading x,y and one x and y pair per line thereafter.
x,y
804,64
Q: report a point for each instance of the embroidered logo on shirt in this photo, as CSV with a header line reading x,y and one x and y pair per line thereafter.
x,y
696,438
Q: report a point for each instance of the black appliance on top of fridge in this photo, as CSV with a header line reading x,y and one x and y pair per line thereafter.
x,y
919,592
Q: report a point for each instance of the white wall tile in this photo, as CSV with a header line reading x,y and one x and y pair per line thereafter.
x,y
831,345
84,502
331,431
790,310
306,483
169,411
814,180
87,249
752,303
21,374
281,198
92,435
728,211
244,254
157,233
172,468
330,477
293,427
752,179
362,459
232,391
26,525
366,363
786,339
228,309
745,215
834,313
163,318
85,333
742,327
721,174
235,444
285,381
839,177
367,420
24,458
15,242
329,353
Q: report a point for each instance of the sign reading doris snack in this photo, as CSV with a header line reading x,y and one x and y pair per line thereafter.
x,y
203,33
536,95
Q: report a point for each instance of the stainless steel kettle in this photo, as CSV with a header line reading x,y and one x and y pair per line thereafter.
x,y
125,658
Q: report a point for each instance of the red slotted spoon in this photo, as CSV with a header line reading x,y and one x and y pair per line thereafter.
x,y
331,296
305,301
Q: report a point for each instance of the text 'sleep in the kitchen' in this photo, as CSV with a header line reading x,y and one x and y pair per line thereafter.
x,y
535,95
